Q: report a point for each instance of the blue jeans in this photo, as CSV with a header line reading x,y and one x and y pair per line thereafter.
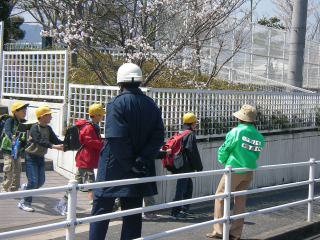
x,y
183,191
132,225
35,173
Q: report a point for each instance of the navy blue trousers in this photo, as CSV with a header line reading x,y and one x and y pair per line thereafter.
x,y
183,191
131,226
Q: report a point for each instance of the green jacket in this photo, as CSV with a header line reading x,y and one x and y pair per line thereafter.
x,y
242,147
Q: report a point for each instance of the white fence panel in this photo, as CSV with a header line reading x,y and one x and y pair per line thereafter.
x,y
82,96
214,108
35,74
277,111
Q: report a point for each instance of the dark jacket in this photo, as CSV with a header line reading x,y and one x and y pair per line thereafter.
x,y
133,129
39,141
191,156
88,156
10,128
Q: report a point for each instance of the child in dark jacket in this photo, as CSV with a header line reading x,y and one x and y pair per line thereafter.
x,y
11,168
192,162
88,156
41,138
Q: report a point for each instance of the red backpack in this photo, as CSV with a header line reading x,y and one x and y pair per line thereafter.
x,y
174,161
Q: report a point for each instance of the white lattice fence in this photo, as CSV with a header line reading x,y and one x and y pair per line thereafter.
x,y
277,111
35,74
82,96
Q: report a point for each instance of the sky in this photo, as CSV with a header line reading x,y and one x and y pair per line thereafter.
x,y
264,8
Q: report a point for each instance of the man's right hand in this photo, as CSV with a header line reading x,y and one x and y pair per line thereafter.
x,y
139,166
169,151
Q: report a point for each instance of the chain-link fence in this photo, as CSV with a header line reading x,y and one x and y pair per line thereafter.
x,y
266,54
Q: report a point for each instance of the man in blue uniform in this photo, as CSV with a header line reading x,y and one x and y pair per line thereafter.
x,y
134,134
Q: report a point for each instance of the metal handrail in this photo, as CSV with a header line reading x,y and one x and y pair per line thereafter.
x,y
71,223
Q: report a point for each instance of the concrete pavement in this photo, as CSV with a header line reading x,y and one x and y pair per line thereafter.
x,y
262,226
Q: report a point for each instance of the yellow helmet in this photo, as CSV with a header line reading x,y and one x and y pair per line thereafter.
x,y
18,105
43,110
96,109
189,118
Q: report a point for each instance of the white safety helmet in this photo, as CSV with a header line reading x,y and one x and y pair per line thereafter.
x,y
129,72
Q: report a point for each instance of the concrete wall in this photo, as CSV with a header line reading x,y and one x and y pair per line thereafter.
x,y
278,149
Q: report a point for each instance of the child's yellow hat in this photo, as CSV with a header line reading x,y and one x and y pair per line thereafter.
x,y
96,109
43,110
18,105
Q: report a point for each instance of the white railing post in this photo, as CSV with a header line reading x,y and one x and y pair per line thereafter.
x,y
226,206
72,206
311,189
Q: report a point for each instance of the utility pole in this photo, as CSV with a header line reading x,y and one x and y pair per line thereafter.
x,y
1,54
297,42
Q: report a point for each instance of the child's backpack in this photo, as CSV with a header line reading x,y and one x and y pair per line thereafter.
x,y
174,161
3,119
71,140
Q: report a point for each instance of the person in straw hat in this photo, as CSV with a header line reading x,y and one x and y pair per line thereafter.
x,y
241,149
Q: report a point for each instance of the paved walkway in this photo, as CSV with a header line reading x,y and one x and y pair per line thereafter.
x,y
256,227
13,218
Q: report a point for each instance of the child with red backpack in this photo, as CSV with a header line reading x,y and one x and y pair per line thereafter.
x,y
190,162
87,156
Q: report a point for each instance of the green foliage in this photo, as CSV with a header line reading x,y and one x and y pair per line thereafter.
x,y
167,78
12,31
12,25
272,22
179,79
317,117
83,73
5,9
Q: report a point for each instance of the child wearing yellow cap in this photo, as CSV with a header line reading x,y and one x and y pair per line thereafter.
x,y
87,156
11,168
41,138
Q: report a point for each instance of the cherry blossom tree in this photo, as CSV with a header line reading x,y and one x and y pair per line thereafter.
x,y
315,28
284,9
156,31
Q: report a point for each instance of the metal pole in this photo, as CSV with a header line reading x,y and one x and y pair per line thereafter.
x,y
297,42
283,54
311,189
251,54
1,54
226,206
232,59
308,64
72,205
318,69
269,52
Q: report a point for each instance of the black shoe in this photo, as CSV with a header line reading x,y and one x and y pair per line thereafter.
x,y
178,216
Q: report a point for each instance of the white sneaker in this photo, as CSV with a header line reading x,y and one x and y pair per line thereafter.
x,y
151,217
62,209
24,187
25,206
3,190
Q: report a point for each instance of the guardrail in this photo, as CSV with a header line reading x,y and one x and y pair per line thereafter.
x,y
72,222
